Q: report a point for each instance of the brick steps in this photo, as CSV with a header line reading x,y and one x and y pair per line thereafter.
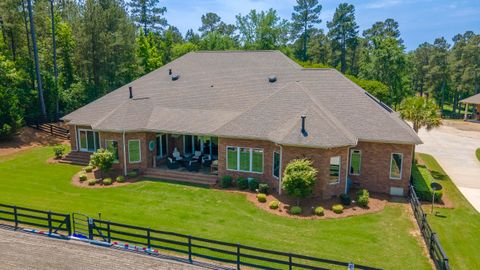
x,y
181,176
77,158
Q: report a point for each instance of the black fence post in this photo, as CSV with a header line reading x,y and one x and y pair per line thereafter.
x,y
432,242
238,256
290,261
68,224
109,236
49,214
190,248
51,129
148,238
90,228
15,216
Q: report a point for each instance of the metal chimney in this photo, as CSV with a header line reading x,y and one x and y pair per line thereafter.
x,y
304,131
130,90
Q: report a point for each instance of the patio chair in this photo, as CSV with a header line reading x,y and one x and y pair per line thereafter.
x,y
172,164
207,160
197,155
193,166
176,154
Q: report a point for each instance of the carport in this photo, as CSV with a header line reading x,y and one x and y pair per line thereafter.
x,y
475,99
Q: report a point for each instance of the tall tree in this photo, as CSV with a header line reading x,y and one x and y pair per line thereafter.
x,y
305,16
54,49
438,70
343,32
148,14
419,62
386,29
210,22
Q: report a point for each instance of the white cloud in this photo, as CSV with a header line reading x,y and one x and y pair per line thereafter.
x,y
382,4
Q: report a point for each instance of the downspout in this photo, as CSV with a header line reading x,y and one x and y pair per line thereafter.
x,y
124,155
346,168
280,171
76,138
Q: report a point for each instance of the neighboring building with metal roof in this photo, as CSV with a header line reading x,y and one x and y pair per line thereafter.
x,y
247,114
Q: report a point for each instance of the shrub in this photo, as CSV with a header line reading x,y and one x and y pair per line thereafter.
x,y
132,174
103,159
345,199
274,204
58,150
295,210
91,182
299,178
421,182
226,181
262,197
263,188
242,183
107,181
253,184
120,179
337,208
319,211
362,198
82,177
88,168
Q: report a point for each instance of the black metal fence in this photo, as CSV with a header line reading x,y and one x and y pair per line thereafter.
x,y
149,240
431,239
55,223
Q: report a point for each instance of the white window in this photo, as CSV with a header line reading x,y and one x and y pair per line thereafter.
x,y
335,170
112,146
134,151
245,159
396,164
276,165
355,162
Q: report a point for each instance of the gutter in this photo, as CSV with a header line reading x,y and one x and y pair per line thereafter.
x,y
124,155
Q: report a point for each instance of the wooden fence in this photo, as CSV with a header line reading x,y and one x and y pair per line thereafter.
x,y
431,239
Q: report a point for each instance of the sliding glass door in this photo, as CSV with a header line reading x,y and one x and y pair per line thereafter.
x,y
89,140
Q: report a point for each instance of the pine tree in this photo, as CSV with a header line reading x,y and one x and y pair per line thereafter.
x,y
305,16
148,14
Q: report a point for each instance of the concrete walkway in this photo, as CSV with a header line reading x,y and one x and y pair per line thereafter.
x,y
455,149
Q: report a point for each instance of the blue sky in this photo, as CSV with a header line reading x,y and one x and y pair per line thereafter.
x,y
420,20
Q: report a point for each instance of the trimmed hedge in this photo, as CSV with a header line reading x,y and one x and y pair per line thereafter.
x,y
295,210
421,182
319,211
92,182
88,168
253,184
107,181
226,181
262,197
345,199
263,188
274,204
120,179
242,183
337,208
82,177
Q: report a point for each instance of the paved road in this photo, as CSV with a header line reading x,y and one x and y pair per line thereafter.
x,y
20,250
455,149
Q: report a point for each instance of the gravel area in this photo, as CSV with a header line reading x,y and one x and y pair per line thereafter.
x,y
21,250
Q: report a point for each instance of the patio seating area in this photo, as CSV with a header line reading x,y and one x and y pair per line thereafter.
x,y
198,162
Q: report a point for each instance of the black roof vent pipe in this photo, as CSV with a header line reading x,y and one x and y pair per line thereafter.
x,y
304,131
175,77
272,78
169,71
130,90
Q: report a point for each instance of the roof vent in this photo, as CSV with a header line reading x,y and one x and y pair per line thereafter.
x,y
169,71
175,77
272,78
130,90
304,131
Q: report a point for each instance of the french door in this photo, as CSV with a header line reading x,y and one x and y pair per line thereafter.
x,y
162,145
89,140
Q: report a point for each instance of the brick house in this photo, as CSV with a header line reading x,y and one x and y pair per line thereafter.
x,y
248,114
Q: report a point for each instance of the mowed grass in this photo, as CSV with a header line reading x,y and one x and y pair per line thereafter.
x,y
381,240
458,228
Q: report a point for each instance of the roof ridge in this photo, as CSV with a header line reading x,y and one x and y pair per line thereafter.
x,y
334,120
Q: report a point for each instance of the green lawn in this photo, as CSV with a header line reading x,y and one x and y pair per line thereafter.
x,y
458,228
381,240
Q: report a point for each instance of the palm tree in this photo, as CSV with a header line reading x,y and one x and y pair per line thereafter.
x,y
421,112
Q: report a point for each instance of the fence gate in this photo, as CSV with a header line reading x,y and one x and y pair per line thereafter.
x,y
80,225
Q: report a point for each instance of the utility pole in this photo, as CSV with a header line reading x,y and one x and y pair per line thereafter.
x,y
35,57
55,70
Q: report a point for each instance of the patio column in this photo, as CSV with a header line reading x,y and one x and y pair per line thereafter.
x,y
466,110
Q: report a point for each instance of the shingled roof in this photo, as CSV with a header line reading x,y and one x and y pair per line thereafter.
x,y
475,99
228,94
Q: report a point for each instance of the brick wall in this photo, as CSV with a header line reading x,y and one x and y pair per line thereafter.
x,y
375,166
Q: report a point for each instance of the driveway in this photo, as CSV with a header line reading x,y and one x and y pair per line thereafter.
x,y
454,149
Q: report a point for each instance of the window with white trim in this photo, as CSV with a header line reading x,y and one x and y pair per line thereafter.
x,y
134,151
335,170
245,159
112,146
355,162
396,166
276,165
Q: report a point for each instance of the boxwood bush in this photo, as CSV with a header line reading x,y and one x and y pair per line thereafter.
x,y
242,183
120,179
226,181
107,181
91,182
345,199
263,188
253,184
337,208
319,211
132,174
362,197
261,197
295,210
88,168
82,177
274,204
421,182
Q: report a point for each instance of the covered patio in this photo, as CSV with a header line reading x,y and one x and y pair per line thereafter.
x,y
475,100
186,152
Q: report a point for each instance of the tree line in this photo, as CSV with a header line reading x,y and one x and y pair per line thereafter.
x,y
57,55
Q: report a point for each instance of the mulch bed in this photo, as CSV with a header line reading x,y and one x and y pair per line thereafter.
x,y
96,174
376,204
